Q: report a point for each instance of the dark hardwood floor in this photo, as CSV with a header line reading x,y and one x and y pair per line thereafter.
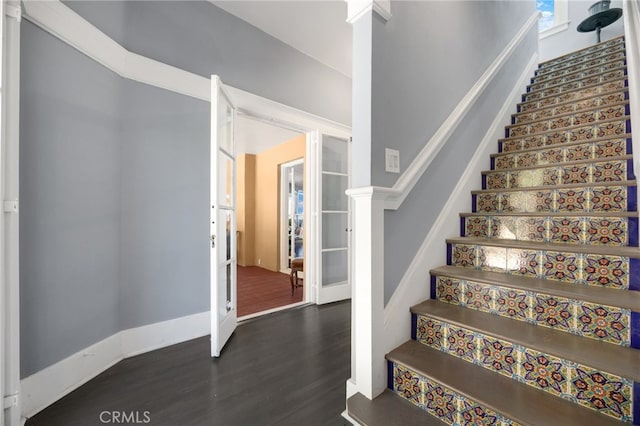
x,y
287,368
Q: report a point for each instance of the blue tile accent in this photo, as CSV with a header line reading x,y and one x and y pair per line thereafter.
x,y
506,132
626,83
390,374
499,146
630,174
462,227
493,163
633,231
636,403
484,181
632,202
513,119
634,274
626,109
626,95
414,326
524,98
449,253
635,330
474,198
433,287
628,126
629,144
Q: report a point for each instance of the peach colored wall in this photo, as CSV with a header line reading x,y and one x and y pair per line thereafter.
x,y
246,180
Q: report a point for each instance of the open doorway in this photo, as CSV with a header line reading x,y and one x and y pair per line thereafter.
x,y
265,151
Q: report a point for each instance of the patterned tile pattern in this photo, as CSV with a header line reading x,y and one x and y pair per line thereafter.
x,y
606,393
545,372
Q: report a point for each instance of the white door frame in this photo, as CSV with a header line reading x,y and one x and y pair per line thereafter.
x,y
284,255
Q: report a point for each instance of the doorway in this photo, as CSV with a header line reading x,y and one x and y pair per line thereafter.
x,y
291,213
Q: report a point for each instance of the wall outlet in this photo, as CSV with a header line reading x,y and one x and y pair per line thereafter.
x,y
392,160
259,261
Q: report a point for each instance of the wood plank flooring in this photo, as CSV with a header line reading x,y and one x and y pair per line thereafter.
x,y
260,289
287,368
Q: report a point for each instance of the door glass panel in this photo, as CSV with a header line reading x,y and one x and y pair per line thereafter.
x,y
228,236
229,280
333,192
225,124
334,267
334,155
225,180
334,233
223,292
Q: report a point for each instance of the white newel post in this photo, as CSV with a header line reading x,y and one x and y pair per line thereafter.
x,y
368,291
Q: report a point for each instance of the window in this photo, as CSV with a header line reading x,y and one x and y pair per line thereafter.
x,y
553,16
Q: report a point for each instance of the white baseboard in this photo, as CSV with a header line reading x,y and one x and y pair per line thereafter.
x,y
45,387
415,285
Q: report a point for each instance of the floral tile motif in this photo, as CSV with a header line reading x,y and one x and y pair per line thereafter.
x,y
576,174
533,142
585,117
464,255
611,98
559,266
556,138
550,175
553,312
407,384
543,201
539,127
449,290
545,372
610,148
440,401
523,262
498,356
523,118
558,123
496,180
477,227
610,172
579,152
530,229
519,130
512,303
586,103
506,202
606,271
430,332
572,200
604,323
603,392
551,156
562,109
474,414
505,162
612,112
612,198
487,202
611,128
610,231
462,343
614,85
581,134
478,296
565,230
492,258
527,159
508,146
549,112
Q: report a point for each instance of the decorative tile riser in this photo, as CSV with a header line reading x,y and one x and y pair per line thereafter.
x,y
586,133
600,172
603,392
562,122
610,231
554,87
576,95
596,321
611,271
550,79
576,200
583,61
561,153
586,86
603,100
598,49
440,401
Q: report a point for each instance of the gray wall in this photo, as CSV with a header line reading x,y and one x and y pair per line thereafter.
x,y
114,173
420,73
570,39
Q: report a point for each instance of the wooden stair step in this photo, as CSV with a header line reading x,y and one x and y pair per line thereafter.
x,y
619,360
560,186
561,164
388,409
607,44
612,65
598,295
577,77
567,145
514,400
551,214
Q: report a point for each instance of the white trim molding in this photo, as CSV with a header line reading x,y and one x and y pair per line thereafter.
x,y
52,383
558,28
356,9
62,22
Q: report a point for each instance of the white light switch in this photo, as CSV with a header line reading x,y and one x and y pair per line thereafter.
x,y
392,160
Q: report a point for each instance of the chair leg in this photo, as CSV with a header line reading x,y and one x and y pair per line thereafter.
x,y
291,278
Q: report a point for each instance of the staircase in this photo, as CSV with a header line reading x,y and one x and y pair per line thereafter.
x,y
535,319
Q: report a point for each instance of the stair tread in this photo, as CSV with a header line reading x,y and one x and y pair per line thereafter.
x,y
572,74
631,182
388,409
577,89
572,78
517,401
535,245
627,299
562,164
595,46
615,359
562,145
551,214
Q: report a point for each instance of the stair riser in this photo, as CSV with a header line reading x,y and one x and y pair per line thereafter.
x,y
572,82
575,200
586,173
586,133
596,321
610,231
569,120
582,61
440,401
551,79
575,95
601,101
557,376
560,153
607,46
589,83
618,272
